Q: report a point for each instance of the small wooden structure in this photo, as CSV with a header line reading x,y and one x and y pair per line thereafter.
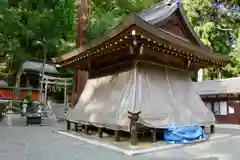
x,y
30,77
138,75
30,73
222,97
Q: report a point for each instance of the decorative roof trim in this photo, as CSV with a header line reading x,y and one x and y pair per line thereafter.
x,y
166,11
142,24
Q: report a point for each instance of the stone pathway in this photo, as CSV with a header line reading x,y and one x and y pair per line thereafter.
x,y
142,147
228,126
21,142
41,143
225,149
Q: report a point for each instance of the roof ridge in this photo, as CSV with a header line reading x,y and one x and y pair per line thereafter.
x,y
218,80
156,6
147,9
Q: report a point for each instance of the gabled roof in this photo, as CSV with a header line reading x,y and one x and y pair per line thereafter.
x,y
144,22
160,13
215,87
37,67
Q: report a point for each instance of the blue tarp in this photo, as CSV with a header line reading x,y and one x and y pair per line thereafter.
x,y
184,134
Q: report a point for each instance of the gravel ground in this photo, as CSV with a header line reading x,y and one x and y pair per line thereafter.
x,y
40,143
227,149
21,142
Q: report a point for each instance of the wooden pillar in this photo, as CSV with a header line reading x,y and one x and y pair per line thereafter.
x,y
86,129
133,128
212,128
45,92
219,74
82,15
134,136
203,128
117,136
200,75
65,93
100,132
68,125
76,127
74,90
154,135
18,78
27,81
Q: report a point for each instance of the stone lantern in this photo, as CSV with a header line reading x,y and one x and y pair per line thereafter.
x,y
9,114
24,106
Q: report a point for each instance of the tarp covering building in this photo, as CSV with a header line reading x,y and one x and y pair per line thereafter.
x,y
143,64
165,96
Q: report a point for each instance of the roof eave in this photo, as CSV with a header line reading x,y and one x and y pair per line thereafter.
x,y
166,36
139,22
112,33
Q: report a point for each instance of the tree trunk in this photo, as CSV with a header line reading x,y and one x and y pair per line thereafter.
x,y
81,76
18,78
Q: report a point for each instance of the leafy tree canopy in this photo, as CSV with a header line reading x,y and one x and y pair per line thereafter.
x,y
29,28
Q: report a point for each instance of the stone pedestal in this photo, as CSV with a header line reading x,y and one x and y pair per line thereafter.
x,y
24,107
9,117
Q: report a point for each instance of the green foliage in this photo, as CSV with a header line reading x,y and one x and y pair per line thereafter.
x,y
3,5
59,96
233,68
31,108
31,28
28,29
217,26
16,106
211,25
107,14
28,97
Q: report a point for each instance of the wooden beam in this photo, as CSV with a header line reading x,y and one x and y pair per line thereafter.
x,y
57,83
56,78
221,99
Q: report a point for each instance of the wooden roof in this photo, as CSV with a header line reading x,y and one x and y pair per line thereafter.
x,y
149,25
37,67
216,87
171,18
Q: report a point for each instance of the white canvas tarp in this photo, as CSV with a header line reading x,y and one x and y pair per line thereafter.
x,y
165,96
